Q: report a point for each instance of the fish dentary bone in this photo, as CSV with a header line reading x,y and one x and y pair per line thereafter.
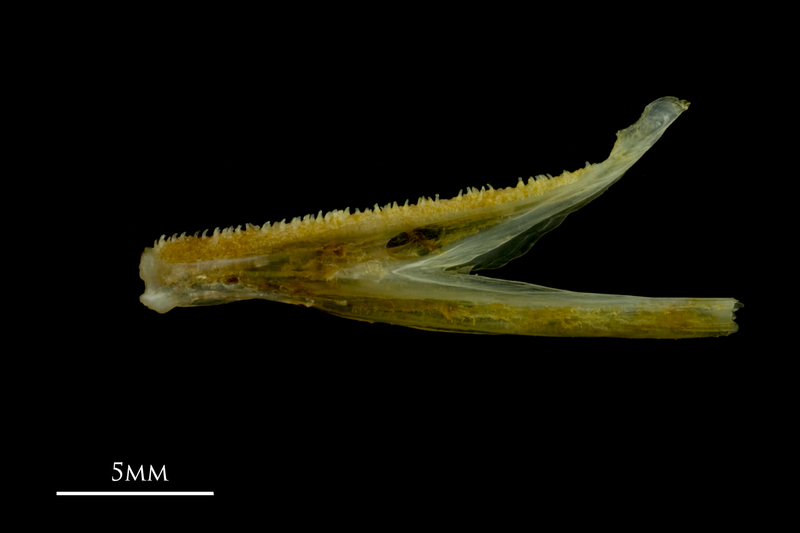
x,y
410,264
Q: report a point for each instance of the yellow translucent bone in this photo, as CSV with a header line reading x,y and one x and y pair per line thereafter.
x,y
410,264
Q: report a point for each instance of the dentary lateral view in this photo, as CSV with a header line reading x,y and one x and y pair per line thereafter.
x,y
410,264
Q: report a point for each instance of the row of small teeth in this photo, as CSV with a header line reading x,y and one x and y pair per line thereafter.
x,y
335,215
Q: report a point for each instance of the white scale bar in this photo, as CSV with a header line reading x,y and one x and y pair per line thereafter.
x,y
123,493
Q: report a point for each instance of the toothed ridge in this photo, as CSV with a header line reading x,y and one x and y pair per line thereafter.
x,y
338,217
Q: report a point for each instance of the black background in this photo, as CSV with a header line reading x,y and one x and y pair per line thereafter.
x,y
283,410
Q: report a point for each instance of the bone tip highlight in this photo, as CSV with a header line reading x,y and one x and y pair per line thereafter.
x,y
157,301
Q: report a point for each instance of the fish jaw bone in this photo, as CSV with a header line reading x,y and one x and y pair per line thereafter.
x,y
408,264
